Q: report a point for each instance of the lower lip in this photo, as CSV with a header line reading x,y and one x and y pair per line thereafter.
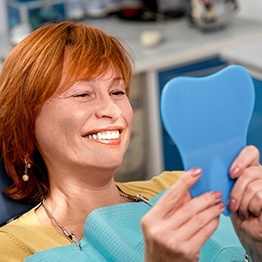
x,y
114,142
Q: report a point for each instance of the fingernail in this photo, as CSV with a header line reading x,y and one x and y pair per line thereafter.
x,y
217,195
196,172
234,172
232,205
221,205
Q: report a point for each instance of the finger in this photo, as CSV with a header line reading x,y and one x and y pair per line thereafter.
x,y
197,230
255,205
248,228
193,210
190,235
247,157
240,193
173,198
200,237
245,202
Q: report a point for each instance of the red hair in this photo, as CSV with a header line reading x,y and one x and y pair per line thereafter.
x,y
31,74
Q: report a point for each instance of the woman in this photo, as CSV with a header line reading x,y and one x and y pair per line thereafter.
x,y
65,126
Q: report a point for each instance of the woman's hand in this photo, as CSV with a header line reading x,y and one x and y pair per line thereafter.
x,y
177,226
246,201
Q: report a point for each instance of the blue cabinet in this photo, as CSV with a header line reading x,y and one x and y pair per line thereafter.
x,y
254,136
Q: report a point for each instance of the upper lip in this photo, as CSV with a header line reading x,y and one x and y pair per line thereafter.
x,y
102,130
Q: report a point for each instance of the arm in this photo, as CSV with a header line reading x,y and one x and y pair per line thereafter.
x,y
177,226
246,201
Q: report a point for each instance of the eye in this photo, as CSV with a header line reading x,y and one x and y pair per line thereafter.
x,y
81,95
118,93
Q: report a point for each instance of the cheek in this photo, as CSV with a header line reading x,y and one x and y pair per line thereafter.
x,y
48,121
47,129
128,114
52,124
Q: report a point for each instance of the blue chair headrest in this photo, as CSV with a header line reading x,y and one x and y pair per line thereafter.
x,y
9,208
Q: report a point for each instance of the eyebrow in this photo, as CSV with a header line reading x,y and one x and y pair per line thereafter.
x,y
118,78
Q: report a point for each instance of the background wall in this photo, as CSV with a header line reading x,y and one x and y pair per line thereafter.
x,y
249,9
2,16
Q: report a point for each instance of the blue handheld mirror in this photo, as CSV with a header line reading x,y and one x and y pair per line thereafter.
x,y
208,118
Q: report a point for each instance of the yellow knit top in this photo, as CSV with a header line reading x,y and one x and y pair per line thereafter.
x,y
26,236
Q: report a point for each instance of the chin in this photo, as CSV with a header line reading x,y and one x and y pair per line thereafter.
x,y
112,165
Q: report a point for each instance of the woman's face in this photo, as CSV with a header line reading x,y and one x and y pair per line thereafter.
x,y
87,126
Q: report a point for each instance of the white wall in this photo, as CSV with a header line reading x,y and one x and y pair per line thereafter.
x,y
3,25
250,9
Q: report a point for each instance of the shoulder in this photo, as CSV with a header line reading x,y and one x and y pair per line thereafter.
x,y
25,236
21,225
152,187
11,247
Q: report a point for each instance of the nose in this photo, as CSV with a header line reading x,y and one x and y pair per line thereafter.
x,y
107,107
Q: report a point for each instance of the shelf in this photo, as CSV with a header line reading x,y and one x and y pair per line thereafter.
x,y
35,4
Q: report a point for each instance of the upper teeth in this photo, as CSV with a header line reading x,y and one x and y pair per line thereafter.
x,y
105,135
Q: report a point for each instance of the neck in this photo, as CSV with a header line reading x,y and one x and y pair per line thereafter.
x,y
71,207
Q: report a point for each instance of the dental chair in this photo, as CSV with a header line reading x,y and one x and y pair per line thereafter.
x,y
9,208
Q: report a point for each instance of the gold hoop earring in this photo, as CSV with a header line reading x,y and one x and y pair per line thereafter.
x,y
25,177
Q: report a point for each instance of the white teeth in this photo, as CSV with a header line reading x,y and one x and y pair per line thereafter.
x,y
99,136
105,135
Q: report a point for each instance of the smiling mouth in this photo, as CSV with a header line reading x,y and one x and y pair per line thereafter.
x,y
107,135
